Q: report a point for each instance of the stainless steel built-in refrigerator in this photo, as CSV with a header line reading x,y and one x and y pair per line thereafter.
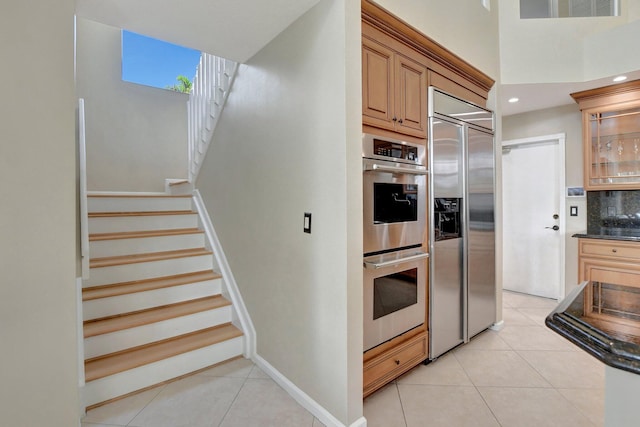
x,y
462,289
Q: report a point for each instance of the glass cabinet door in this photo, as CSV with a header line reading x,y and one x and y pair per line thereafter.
x,y
614,157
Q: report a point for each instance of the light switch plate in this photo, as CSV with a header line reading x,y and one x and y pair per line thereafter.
x,y
307,223
573,211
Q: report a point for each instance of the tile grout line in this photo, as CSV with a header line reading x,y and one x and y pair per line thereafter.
x,y
236,396
147,404
495,417
404,416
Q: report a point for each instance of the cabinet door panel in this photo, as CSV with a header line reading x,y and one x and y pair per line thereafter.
x,y
620,273
377,80
411,97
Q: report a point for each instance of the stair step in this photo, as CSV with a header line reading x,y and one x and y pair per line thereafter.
x,y
104,245
123,383
146,257
152,315
145,266
98,308
134,202
117,222
142,234
114,363
115,289
139,213
112,342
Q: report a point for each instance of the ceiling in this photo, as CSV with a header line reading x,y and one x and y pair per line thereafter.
x,y
233,29
238,29
537,96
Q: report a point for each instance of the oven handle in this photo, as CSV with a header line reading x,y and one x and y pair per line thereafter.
x,y
376,265
394,169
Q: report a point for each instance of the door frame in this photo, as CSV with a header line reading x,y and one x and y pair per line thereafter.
x,y
561,184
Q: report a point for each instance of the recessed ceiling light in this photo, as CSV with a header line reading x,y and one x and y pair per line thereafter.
x,y
620,79
514,99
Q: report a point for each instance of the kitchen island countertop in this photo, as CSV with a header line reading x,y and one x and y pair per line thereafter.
x,y
604,320
607,237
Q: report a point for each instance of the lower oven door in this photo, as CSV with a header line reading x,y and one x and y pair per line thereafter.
x,y
394,205
394,294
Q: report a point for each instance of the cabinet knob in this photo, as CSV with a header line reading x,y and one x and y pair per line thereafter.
x,y
394,118
399,120
397,361
614,250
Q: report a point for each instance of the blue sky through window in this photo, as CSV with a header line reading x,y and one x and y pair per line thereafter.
x,y
156,63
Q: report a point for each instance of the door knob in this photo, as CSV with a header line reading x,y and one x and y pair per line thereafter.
x,y
554,228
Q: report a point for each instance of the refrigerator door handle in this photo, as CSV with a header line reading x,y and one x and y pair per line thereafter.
x,y
377,265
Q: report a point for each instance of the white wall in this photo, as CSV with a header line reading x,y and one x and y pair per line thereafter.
x,y
136,135
566,119
565,49
288,142
38,369
464,27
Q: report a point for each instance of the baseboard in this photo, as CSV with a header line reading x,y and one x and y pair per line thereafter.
x,y
302,398
360,422
229,281
497,326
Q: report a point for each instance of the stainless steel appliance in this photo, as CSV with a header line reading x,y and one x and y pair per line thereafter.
x,y
395,193
395,265
462,291
394,294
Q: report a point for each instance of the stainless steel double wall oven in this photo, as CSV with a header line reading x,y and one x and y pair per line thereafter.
x,y
395,270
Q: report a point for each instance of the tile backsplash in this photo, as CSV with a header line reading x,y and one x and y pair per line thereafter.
x,y
613,213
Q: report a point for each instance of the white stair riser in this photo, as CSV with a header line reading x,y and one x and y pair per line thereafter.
x,y
100,345
126,382
104,307
141,223
141,245
148,270
138,204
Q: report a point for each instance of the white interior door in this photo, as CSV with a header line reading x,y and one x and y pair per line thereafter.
x,y
533,204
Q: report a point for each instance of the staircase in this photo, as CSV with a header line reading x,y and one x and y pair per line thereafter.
x,y
153,306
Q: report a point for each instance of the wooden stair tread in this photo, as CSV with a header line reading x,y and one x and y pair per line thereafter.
x,y
123,288
140,234
106,325
139,213
110,364
146,257
141,195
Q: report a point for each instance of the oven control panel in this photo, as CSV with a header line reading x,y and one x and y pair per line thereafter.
x,y
393,150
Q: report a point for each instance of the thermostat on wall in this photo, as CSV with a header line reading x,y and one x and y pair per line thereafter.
x,y
575,192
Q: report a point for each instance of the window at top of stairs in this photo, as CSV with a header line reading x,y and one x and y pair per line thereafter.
x,y
152,62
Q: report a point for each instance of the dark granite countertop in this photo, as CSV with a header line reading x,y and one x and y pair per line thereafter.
x,y
604,320
626,238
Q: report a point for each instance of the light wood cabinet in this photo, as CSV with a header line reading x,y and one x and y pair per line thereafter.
x,y
611,134
390,360
394,90
398,64
609,261
612,300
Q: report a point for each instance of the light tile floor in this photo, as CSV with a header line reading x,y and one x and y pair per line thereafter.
x,y
524,375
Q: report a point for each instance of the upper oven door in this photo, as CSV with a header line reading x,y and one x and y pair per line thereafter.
x,y
394,205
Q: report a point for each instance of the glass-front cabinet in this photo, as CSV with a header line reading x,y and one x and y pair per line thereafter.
x,y
611,132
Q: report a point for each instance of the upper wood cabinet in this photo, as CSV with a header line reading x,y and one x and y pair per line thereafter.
x,y
611,134
394,90
398,64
